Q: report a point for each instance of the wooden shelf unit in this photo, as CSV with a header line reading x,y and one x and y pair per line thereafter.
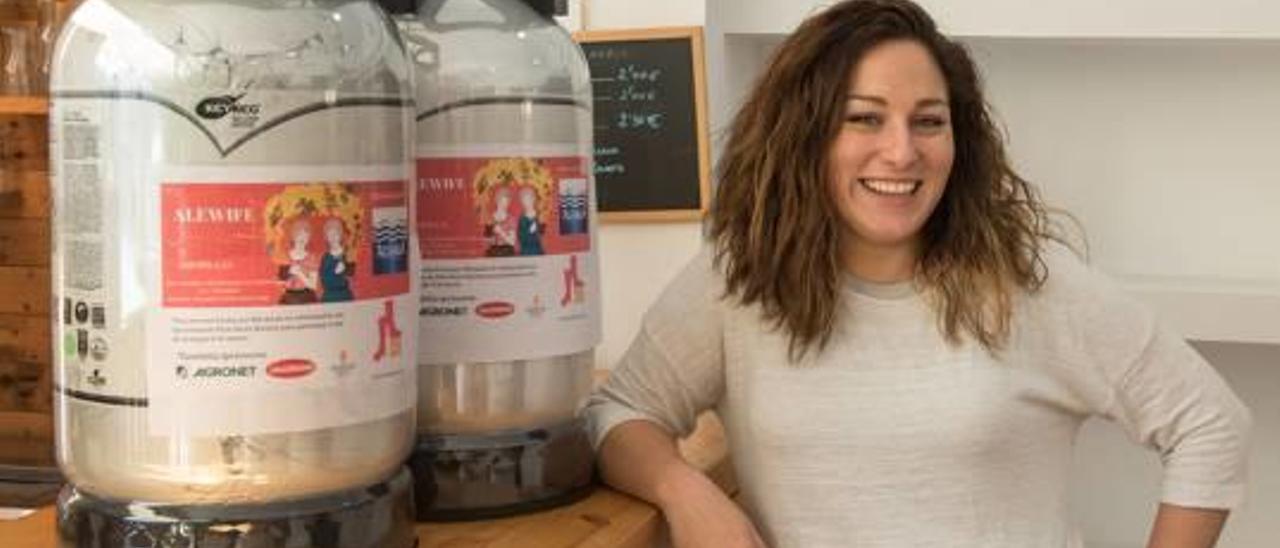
x,y
36,106
26,373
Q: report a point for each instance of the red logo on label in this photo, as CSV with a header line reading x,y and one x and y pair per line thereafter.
x,y
290,369
573,285
388,333
495,310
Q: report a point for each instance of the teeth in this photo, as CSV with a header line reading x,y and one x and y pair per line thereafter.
x,y
894,187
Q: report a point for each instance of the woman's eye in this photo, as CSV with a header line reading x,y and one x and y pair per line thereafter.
x,y
931,122
868,120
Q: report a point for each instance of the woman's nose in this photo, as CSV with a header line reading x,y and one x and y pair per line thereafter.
x,y
898,147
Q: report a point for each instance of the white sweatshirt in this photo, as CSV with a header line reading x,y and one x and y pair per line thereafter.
x,y
893,438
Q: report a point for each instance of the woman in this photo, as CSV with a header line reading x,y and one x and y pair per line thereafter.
x,y
529,227
300,273
898,353
335,271
502,228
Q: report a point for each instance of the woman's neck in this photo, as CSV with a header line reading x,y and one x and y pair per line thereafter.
x,y
881,263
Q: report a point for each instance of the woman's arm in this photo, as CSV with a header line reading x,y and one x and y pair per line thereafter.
x,y
1180,527
673,371
640,458
1165,396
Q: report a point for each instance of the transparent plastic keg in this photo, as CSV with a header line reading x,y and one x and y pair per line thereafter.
x,y
232,190
503,352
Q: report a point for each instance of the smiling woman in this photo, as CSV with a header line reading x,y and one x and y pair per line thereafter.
x,y
890,161
900,352
911,112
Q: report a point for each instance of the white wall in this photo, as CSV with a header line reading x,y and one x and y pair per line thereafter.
x,y
621,14
1234,19
1166,151
637,260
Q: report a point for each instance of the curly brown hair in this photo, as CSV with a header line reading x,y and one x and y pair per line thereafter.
x,y
777,233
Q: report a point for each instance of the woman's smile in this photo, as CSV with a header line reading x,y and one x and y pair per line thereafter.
x,y
891,187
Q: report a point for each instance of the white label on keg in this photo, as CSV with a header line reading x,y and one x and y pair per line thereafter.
x,y
284,302
199,274
86,345
508,266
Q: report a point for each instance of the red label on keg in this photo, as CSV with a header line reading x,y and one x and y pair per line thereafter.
x,y
253,245
286,301
508,271
502,207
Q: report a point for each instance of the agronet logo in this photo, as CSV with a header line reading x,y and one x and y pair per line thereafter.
x,y
211,372
214,108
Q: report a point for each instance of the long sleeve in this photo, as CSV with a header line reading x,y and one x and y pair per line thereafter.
x,y
1174,402
1162,393
674,369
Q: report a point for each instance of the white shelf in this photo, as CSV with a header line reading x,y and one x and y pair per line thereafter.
x,y
1230,19
1236,311
1165,151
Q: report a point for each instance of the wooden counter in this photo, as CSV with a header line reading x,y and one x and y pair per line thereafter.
x,y
606,519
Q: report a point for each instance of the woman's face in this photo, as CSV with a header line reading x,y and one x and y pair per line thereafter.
x,y
301,234
889,163
333,233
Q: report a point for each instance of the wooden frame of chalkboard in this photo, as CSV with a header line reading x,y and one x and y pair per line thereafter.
x,y
677,185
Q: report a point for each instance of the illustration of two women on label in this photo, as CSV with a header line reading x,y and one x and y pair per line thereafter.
x,y
521,235
331,271
511,233
309,275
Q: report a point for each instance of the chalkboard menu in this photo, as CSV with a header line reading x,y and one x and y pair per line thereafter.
x,y
650,123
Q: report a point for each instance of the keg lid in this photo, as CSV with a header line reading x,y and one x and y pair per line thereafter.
x,y
548,8
399,7
545,8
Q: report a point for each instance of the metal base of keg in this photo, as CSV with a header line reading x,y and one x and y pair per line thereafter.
x,y
482,476
379,516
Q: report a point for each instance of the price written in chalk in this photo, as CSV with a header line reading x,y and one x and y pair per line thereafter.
x,y
636,73
637,94
643,121
646,101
